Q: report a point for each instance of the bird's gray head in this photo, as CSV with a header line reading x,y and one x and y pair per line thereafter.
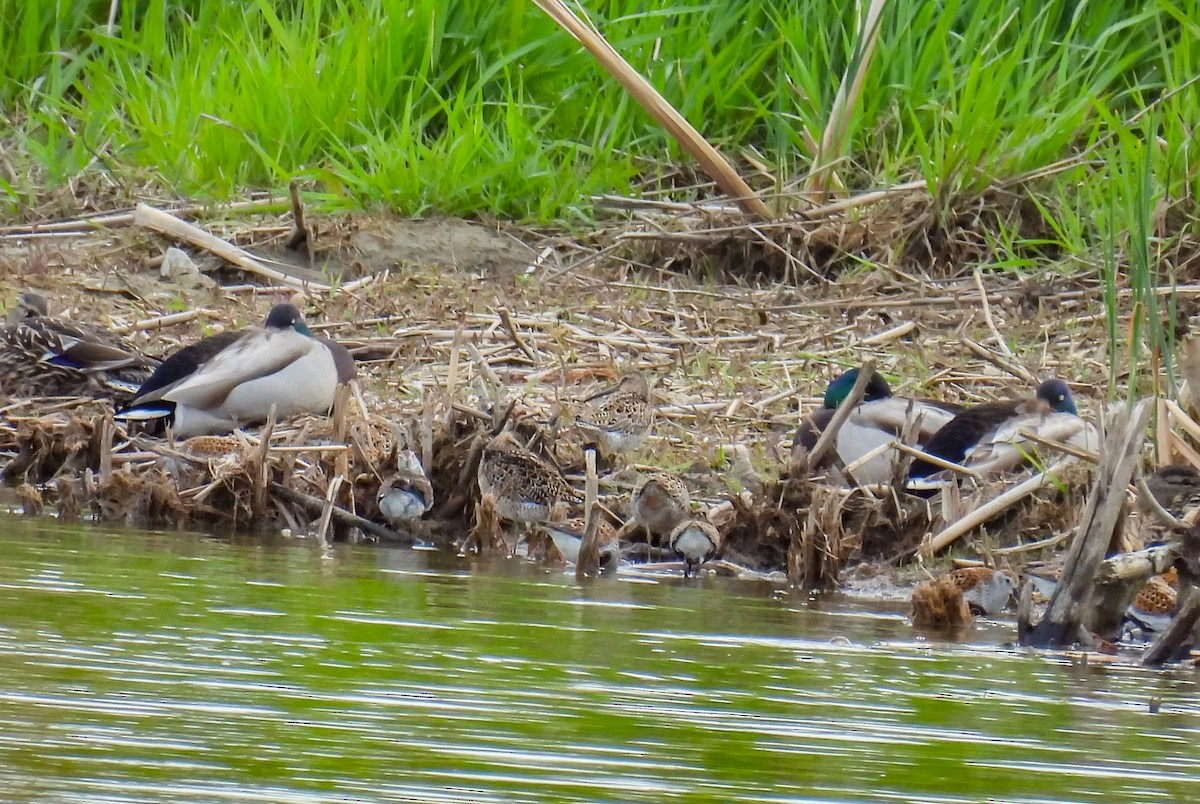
x,y
286,316
1056,394
29,305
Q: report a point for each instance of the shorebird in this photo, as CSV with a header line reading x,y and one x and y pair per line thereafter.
x,y
45,356
985,590
659,502
406,495
233,378
521,486
877,421
622,420
697,540
568,538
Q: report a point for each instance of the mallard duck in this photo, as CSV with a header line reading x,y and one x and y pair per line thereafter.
x,y
568,538
45,356
233,378
406,495
697,540
878,420
621,422
521,486
987,439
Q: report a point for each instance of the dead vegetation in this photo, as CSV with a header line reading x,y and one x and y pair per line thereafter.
x,y
532,328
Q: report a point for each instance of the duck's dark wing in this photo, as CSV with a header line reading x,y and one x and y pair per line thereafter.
x,y
964,431
183,364
342,359
811,428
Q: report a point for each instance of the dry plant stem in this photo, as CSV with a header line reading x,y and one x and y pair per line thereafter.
x,y
327,510
1185,421
167,224
994,507
1070,607
162,321
1040,544
938,461
506,319
1137,566
1059,446
299,233
89,224
656,105
999,362
1001,344
1147,499
1170,643
317,505
589,553
1162,434
1184,448
834,136
829,435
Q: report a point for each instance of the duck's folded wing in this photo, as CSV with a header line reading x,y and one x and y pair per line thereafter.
x,y
257,354
893,413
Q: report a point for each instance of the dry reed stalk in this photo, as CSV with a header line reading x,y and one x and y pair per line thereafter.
x,y
589,553
162,321
834,136
993,508
657,106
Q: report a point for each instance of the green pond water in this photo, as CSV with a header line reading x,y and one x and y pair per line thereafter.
x,y
173,667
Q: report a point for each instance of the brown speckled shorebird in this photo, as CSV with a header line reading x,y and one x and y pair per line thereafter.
x,y
45,356
406,495
521,486
659,502
986,590
697,540
621,422
1154,604
568,538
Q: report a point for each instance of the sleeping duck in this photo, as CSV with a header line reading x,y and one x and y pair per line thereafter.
x,y
987,438
233,378
877,421
45,356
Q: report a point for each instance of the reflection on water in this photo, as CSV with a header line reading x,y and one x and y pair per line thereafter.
x,y
168,667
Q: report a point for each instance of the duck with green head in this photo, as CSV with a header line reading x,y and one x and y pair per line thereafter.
x,y
233,378
987,438
876,422
45,356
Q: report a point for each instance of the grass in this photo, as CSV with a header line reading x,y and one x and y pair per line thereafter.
x,y
476,107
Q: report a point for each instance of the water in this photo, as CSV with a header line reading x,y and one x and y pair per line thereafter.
x,y
171,667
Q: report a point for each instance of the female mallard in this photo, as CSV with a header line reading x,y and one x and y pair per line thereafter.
x,y
987,438
44,356
877,421
233,378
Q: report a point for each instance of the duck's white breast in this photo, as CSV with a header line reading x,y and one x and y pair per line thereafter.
x,y
305,385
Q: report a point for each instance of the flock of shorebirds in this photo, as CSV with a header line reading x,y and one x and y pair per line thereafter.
x,y
238,377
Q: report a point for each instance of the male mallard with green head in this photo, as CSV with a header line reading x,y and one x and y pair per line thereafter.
x,y
233,378
987,438
877,421
45,356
